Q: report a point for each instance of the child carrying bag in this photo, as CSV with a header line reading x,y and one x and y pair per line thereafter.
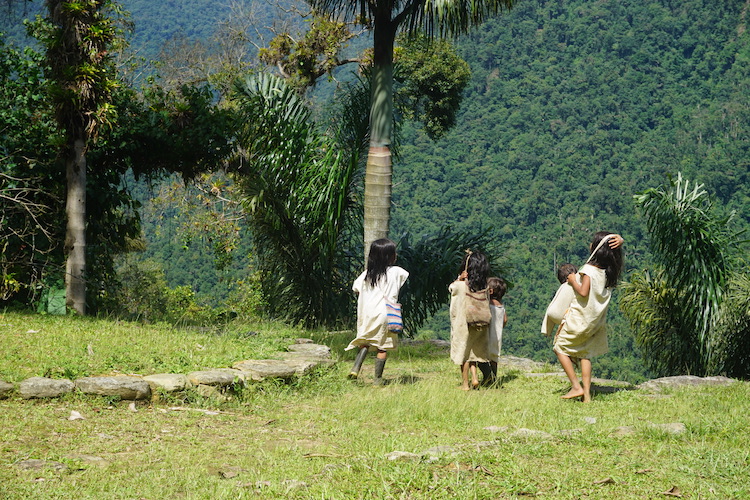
x,y
476,304
477,308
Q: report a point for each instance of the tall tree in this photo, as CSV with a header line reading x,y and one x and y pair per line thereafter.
x,y
79,43
387,18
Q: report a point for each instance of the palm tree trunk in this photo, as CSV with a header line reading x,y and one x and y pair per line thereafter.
x,y
378,173
75,234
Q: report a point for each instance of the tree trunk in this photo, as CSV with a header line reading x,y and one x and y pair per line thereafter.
x,y
378,173
75,233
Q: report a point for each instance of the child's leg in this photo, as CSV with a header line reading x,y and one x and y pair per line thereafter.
x,y
486,370
379,366
493,364
465,376
474,379
586,376
361,355
567,364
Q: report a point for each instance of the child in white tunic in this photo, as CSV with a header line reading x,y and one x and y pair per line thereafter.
x,y
379,283
583,334
497,288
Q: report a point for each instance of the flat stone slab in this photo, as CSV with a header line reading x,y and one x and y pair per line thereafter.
x,y
43,387
125,386
6,389
261,369
679,381
312,350
168,382
219,377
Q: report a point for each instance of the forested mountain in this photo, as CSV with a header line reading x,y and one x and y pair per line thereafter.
x,y
573,107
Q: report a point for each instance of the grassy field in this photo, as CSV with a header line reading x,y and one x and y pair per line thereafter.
x,y
324,437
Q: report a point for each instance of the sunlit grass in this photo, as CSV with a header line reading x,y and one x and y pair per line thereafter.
x,y
327,437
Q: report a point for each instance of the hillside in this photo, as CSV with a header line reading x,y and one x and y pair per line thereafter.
x,y
573,108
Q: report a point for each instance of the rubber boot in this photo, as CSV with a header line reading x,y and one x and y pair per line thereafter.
x,y
488,378
379,366
361,355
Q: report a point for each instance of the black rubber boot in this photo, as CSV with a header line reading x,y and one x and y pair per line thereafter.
x,y
361,355
488,377
379,366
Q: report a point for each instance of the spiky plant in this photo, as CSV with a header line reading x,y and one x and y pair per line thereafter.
x,y
692,244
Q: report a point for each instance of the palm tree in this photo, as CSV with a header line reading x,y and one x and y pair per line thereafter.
x,y
674,312
298,188
388,17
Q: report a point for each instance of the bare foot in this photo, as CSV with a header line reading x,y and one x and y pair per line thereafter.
x,y
573,393
465,387
475,384
586,398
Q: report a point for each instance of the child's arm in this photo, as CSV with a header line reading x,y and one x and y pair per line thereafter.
x,y
505,319
581,288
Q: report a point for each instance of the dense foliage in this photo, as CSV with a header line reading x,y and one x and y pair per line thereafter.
x,y
675,313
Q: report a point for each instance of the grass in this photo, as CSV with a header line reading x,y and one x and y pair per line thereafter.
x,y
324,437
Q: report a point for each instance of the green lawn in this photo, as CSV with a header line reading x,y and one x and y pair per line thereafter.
x,y
328,438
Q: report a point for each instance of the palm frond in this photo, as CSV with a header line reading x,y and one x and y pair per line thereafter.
x,y
692,244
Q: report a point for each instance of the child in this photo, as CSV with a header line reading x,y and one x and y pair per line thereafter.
x,y
468,343
561,301
497,288
380,281
583,334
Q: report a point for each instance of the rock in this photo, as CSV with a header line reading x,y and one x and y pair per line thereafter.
x,y
221,377
37,464
495,428
168,382
437,452
5,389
403,455
524,364
126,387
623,430
211,392
261,369
658,384
42,387
675,428
303,341
91,460
531,434
312,350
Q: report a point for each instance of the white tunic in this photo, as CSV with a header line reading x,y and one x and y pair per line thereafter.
x,y
496,331
584,332
372,319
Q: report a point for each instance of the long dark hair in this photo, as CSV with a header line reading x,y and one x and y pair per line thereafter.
x,y
382,254
609,259
477,267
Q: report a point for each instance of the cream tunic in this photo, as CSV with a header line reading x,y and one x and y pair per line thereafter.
x,y
584,332
467,343
558,307
496,331
372,319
